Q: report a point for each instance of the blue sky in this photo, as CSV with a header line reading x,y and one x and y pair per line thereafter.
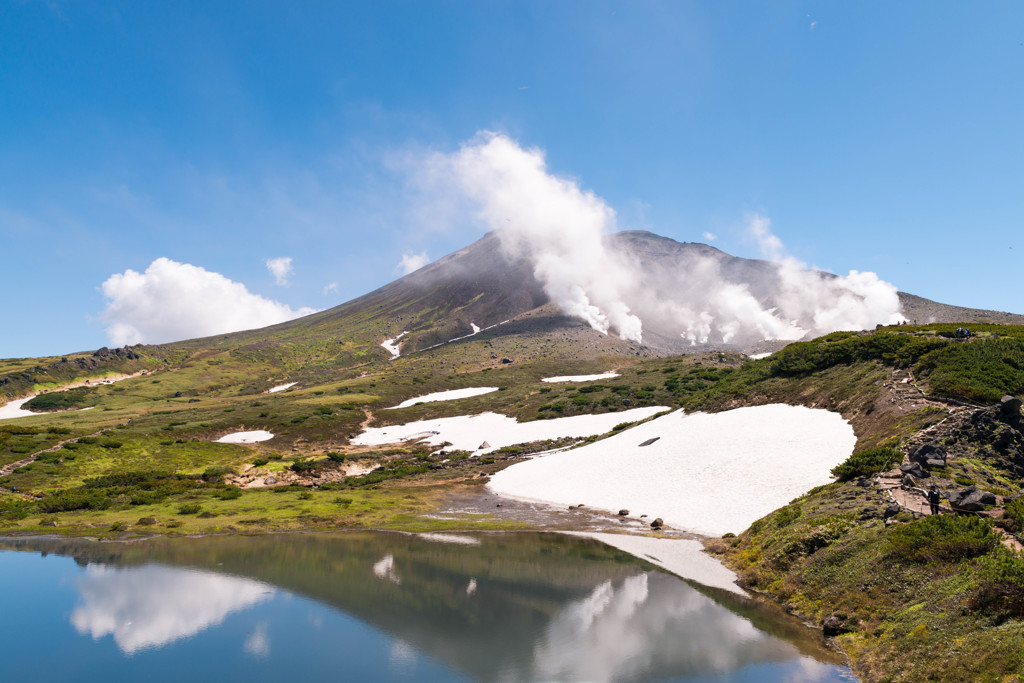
x,y
875,136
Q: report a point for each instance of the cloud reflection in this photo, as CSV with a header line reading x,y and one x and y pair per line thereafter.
x,y
151,606
640,628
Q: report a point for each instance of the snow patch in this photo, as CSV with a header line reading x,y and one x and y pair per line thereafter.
x,y
468,432
14,409
392,346
246,437
706,473
580,378
281,387
450,395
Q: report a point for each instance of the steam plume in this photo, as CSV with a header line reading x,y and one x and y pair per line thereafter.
x,y
561,229
549,220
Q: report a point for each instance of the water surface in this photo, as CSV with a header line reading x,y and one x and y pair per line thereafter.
x,y
369,606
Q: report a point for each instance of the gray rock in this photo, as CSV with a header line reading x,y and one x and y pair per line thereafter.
x,y
623,512
934,463
650,441
657,523
908,480
915,470
864,482
972,499
270,481
1010,405
891,510
928,452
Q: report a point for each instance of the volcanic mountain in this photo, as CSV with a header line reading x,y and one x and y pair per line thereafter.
x,y
483,287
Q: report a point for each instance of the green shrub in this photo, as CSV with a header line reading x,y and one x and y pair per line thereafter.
x,y
260,462
942,538
1001,589
217,473
146,521
867,462
336,457
1014,515
189,508
61,400
75,499
787,515
15,509
302,466
229,493
324,410
127,478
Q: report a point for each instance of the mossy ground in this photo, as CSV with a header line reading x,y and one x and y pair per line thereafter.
x,y
830,552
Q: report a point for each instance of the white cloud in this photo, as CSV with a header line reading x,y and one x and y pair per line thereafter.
x,y
280,268
710,236
331,288
411,262
173,301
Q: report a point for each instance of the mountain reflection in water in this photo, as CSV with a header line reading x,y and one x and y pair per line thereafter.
x,y
511,607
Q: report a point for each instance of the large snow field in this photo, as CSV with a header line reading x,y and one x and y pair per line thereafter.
x,y
708,473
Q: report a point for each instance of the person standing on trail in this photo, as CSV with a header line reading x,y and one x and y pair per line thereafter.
x,y
933,500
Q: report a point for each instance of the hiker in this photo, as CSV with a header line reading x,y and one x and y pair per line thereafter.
x,y
933,500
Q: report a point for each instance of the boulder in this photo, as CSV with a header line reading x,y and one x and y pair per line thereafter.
x,y
972,499
864,482
915,470
483,445
650,441
623,512
928,452
891,510
908,480
506,361
1009,406
657,523
832,626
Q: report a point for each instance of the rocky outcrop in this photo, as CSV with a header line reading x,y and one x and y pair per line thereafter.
x,y
972,499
